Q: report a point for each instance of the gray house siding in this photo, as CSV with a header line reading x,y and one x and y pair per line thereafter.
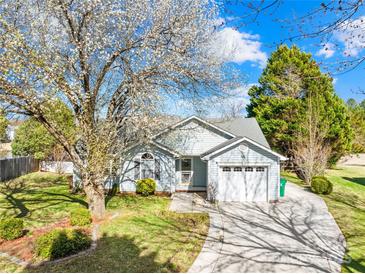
x,y
253,156
131,170
193,138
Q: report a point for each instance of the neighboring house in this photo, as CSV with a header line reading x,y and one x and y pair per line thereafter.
x,y
230,161
10,131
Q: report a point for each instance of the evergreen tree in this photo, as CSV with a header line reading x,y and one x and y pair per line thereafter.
x,y
357,120
280,102
362,104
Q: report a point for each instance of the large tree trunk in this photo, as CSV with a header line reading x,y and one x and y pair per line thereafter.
x,y
95,195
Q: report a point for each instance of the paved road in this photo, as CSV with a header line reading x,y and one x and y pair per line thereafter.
x,y
296,234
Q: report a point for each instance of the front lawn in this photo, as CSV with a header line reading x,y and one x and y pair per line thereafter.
x,y
347,205
144,237
39,198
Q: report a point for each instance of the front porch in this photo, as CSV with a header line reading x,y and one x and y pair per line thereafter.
x,y
191,174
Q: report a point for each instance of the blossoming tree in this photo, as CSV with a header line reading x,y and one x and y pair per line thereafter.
x,y
111,62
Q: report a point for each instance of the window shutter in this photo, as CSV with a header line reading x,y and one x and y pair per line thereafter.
x,y
136,170
157,170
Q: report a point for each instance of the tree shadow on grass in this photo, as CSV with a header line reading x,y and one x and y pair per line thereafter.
x,y
356,180
10,190
112,254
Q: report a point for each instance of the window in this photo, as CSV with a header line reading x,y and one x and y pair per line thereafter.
x,y
249,169
148,167
226,169
147,156
260,169
186,164
237,169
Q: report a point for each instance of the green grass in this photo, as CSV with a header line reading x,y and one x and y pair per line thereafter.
x,y
347,205
145,237
39,198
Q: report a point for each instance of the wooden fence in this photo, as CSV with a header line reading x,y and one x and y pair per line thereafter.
x,y
14,167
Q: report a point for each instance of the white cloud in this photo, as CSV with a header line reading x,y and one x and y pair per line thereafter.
x,y
334,80
352,35
327,50
238,47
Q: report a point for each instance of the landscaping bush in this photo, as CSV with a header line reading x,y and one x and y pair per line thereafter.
x,y
146,186
321,185
61,243
80,217
11,228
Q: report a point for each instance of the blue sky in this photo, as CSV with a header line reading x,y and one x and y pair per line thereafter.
x,y
260,38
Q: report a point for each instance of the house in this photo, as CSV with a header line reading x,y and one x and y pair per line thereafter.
x,y
230,161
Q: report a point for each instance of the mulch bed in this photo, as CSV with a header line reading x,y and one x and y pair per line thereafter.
x,y
23,247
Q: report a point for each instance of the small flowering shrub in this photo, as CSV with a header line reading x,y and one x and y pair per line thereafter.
x,y
146,186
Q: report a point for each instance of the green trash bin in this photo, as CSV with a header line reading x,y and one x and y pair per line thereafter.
x,y
282,187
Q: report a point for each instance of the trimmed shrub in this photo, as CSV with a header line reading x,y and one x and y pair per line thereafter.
x,y
61,243
11,228
321,185
146,186
80,217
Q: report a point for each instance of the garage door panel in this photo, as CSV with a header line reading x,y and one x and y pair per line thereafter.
x,y
228,189
256,184
242,184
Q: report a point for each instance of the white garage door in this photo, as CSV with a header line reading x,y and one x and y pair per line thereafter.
x,y
240,184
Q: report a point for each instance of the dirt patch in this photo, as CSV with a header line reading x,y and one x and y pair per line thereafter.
x,y
23,248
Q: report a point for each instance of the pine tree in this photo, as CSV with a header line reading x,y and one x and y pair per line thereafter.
x,y
280,102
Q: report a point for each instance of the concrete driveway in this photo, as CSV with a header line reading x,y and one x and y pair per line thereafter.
x,y
297,234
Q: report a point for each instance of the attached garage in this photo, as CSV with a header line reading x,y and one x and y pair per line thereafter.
x,y
243,183
243,171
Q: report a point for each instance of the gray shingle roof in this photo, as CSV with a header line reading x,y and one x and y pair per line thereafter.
x,y
244,127
221,145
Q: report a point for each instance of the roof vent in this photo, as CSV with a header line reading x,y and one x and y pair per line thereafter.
x,y
243,148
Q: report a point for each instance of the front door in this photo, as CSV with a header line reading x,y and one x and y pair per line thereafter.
x,y
186,171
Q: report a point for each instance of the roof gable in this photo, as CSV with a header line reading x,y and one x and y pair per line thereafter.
x,y
193,136
199,120
230,143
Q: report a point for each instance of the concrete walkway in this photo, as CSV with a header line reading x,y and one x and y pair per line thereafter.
x,y
297,234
